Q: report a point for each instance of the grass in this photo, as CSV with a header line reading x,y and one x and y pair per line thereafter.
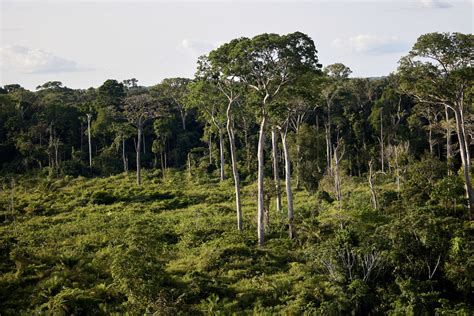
x,y
104,246
63,244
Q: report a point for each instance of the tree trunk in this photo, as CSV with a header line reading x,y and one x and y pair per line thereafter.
x,y
50,144
124,157
298,166
373,193
89,117
235,171
329,136
328,142
317,124
289,193
466,137
56,152
221,153
337,178
397,170
189,166
337,183
138,149
328,150
261,175
276,174
162,160
381,140
210,148
430,138
182,112
464,159
166,159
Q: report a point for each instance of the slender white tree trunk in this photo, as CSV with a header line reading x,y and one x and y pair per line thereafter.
x,y
298,166
276,174
371,178
124,157
328,143
162,160
289,192
139,142
210,148
190,174
397,170
338,154
430,138
465,136
337,182
56,152
381,140
221,153
448,141
464,159
166,159
261,175
235,171
183,113
89,117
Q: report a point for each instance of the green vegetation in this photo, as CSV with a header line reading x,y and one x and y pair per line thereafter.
x,y
104,245
359,203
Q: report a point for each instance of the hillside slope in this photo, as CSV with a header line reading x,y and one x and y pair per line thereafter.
x,y
104,246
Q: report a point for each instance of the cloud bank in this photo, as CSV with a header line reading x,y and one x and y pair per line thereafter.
x,y
34,61
197,47
435,4
371,44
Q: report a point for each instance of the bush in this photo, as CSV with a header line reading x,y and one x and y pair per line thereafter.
x,y
103,197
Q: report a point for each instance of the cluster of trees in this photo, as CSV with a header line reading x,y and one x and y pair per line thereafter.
x,y
92,132
322,123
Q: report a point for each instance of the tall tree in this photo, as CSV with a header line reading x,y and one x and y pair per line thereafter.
x,y
110,97
209,103
139,109
336,75
86,106
267,63
175,90
216,69
438,72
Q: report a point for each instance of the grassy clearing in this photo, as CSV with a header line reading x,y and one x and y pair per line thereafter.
x,y
105,246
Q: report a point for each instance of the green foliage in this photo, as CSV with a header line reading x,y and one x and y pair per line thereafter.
x,y
448,191
421,178
107,246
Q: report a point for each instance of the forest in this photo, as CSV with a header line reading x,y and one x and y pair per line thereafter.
x,y
267,184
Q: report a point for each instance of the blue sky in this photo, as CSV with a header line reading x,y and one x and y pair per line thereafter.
x,y
83,43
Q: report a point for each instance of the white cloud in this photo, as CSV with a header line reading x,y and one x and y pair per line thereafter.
x,y
435,4
371,44
27,60
197,47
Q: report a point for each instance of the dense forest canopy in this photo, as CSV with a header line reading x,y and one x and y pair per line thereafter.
x,y
364,185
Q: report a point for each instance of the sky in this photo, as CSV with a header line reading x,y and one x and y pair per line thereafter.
x,y
84,43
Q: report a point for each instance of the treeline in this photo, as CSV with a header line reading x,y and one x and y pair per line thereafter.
x,y
321,121
50,129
